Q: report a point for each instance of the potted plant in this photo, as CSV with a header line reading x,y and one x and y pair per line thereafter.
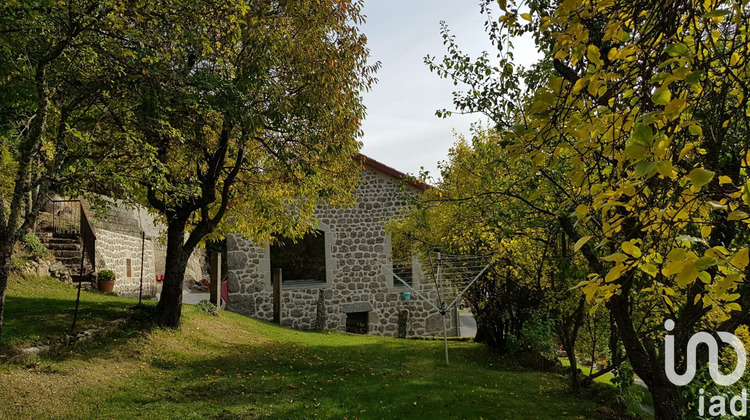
x,y
106,280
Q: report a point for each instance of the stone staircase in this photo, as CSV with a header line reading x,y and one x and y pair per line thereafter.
x,y
67,251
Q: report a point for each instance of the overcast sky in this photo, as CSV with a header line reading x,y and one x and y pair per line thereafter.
x,y
401,129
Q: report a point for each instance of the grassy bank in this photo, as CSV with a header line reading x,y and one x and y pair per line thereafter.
x,y
234,367
40,308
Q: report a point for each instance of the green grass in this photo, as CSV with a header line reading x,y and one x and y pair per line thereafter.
x,y
39,308
229,367
604,379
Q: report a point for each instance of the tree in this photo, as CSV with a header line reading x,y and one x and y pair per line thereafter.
x,y
40,44
486,204
642,126
235,117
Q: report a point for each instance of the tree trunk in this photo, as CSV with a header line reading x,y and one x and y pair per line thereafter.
x,y
647,365
575,382
169,309
4,273
667,400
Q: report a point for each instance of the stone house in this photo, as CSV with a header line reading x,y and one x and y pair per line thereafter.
x,y
123,236
333,279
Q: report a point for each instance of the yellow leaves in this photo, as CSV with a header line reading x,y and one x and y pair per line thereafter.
x,y
676,254
581,210
733,307
581,242
579,84
593,54
723,179
700,177
737,215
636,152
685,150
649,269
615,273
661,96
631,249
741,259
675,105
705,231
686,272
616,257
526,16
642,135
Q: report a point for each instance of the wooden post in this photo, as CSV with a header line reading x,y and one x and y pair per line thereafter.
x,y
276,278
215,289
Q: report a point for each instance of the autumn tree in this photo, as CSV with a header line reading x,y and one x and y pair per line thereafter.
x,y
484,203
42,44
641,123
237,117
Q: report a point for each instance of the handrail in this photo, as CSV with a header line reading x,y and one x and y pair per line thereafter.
x,y
88,238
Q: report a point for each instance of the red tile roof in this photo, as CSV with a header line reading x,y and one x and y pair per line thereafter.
x,y
387,170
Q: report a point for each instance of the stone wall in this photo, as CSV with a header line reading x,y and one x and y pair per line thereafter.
x,y
118,238
356,245
114,250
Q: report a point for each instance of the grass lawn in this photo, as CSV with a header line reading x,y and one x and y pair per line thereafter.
x,y
41,307
229,367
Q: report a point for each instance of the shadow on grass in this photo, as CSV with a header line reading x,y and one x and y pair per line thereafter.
x,y
40,320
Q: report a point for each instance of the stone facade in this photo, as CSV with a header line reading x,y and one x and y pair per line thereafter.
x,y
356,244
118,239
116,251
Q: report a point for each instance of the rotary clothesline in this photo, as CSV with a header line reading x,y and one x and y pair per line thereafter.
x,y
452,276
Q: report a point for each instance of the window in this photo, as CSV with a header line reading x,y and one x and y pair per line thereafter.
x,y
301,261
403,269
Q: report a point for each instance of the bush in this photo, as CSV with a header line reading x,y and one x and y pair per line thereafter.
x,y
106,275
537,336
208,307
34,246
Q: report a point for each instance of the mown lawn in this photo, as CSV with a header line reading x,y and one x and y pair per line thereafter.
x,y
234,367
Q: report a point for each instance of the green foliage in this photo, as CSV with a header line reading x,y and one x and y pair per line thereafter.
x,y
105,275
537,336
34,246
18,263
640,137
207,307
623,394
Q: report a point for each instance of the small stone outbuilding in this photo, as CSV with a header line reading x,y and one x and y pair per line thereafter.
x,y
333,280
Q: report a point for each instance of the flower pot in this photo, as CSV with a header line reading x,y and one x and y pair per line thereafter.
x,y
106,286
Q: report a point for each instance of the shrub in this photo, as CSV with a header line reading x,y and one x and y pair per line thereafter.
x,y
105,275
34,246
208,307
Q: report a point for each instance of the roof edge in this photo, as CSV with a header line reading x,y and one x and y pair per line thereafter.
x,y
392,172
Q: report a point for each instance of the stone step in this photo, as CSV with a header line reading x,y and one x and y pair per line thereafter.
x,y
85,285
58,240
70,262
64,246
67,253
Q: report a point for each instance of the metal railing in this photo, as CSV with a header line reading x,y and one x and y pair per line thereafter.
x,y
69,218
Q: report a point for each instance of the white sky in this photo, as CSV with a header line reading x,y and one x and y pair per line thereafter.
x,y
401,129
